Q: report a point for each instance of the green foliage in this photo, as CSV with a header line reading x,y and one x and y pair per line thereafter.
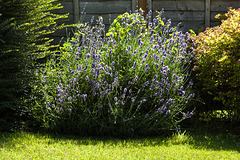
x,y
134,81
218,61
24,25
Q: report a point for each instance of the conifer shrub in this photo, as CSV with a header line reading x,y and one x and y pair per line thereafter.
x,y
24,25
218,62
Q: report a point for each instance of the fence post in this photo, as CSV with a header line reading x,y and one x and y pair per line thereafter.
x,y
207,13
76,13
143,5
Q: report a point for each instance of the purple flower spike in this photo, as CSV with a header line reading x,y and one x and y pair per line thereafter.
x,y
134,65
168,112
139,41
158,110
87,78
125,90
85,69
93,65
88,55
147,83
79,68
130,90
48,103
135,79
70,99
133,99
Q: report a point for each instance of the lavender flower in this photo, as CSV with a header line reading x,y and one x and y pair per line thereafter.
x,y
130,91
93,65
86,77
88,55
79,68
85,69
146,83
134,65
133,99
106,67
70,99
135,79
139,41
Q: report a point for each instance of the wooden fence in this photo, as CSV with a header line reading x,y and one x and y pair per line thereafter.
x,y
108,9
193,14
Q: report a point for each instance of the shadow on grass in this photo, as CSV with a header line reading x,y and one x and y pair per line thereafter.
x,y
198,139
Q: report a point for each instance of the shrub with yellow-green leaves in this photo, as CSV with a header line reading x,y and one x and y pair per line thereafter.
x,y
218,60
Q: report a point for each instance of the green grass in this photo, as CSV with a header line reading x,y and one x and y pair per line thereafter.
x,y
180,145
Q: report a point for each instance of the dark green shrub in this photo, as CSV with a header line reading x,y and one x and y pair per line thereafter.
x,y
132,80
218,61
24,27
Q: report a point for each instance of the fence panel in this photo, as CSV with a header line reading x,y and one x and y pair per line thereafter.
x,y
193,14
92,8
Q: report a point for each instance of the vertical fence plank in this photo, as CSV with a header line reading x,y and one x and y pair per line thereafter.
x,y
76,13
207,13
149,5
134,5
150,8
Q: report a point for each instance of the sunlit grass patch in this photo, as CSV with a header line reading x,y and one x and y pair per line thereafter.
x,y
180,145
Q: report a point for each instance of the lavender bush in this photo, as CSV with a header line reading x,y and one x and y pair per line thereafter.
x,y
131,80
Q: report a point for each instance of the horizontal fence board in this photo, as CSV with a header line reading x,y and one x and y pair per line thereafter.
x,y
106,19
213,14
67,8
63,32
183,16
222,5
187,25
177,5
106,7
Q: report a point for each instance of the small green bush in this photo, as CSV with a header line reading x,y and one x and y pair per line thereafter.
x,y
131,80
218,61
24,25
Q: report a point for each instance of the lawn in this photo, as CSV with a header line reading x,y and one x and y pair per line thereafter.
x,y
181,145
